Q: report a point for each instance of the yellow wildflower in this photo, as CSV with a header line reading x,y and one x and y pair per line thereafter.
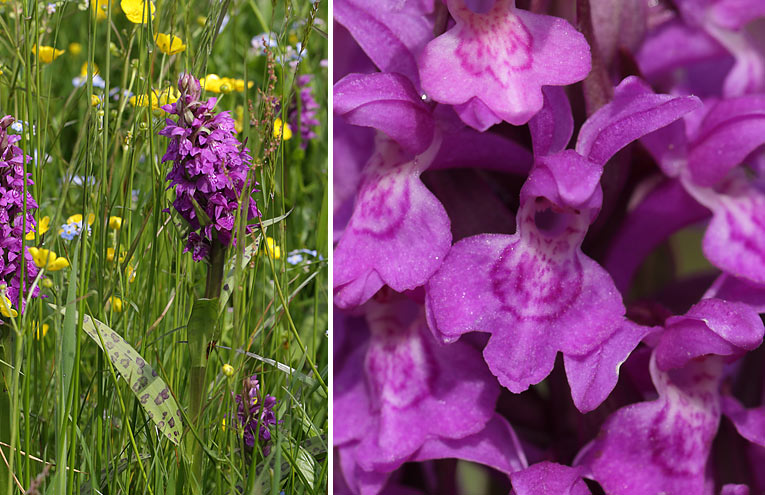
x,y
223,424
100,6
201,20
239,120
239,84
45,329
110,255
75,48
78,218
138,11
213,83
130,273
47,259
228,370
116,304
6,309
95,100
168,44
274,251
156,98
42,227
84,70
47,54
115,223
278,125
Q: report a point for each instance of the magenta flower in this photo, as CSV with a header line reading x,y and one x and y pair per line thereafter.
x,y
492,65
209,171
664,445
535,291
12,181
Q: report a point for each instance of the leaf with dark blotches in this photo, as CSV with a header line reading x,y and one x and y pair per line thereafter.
x,y
152,392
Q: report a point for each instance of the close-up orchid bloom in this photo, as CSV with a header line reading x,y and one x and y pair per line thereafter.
x,y
549,247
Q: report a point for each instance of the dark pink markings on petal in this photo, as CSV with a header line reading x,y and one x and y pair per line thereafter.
x,y
496,43
535,285
399,232
661,446
398,364
503,58
735,238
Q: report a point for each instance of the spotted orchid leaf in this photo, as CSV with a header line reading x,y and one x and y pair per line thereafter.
x,y
151,391
501,58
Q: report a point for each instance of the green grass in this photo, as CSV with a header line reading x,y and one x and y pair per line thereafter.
x,y
74,421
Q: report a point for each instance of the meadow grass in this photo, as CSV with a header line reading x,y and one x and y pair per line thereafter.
x,y
69,421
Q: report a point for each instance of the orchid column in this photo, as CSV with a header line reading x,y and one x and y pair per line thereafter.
x,y
209,175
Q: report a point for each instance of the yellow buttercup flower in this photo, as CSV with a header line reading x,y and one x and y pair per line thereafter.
x,y
216,84
95,100
84,70
272,249
47,259
228,370
78,218
282,128
75,48
47,54
168,44
6,309
138,11
157,99
42,227
116,304
110,255
115,223
239,120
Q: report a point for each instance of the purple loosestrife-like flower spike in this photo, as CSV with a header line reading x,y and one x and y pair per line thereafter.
x,y
12,219
494,64
664,445
210,168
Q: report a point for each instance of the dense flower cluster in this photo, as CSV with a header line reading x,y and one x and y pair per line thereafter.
x,y
209,168
255,415
303,116
13,225
510,274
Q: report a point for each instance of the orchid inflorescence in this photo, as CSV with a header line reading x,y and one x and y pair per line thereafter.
x,y
476,243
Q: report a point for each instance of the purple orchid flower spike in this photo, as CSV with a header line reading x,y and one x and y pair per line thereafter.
x,y
406,397
549,478
493,64
663,446
535,291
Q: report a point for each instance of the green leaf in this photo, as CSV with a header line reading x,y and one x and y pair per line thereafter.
x,y
152,392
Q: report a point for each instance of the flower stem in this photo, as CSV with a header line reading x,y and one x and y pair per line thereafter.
x,y
201,327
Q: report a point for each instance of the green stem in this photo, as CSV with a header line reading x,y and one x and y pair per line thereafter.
x,y
201,327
